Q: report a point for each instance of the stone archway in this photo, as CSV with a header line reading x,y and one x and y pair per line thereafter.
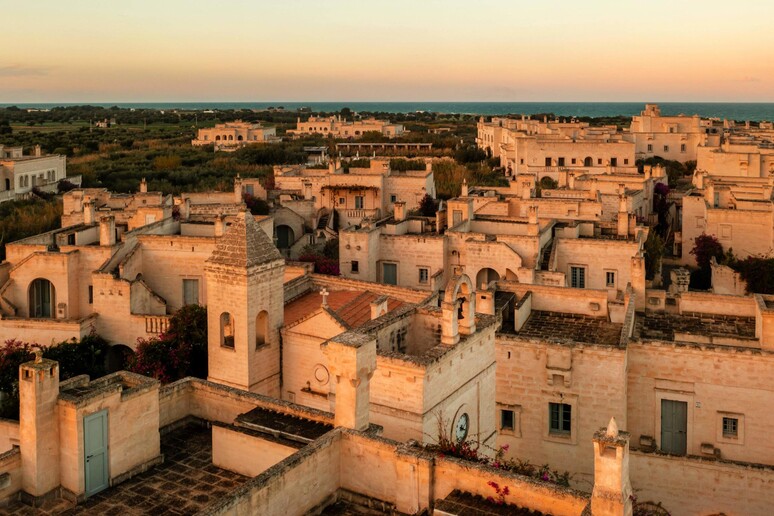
x,y
117,358
486,276
285,236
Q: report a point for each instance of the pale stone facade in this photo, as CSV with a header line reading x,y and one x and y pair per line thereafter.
x,y
19,174
676,138
232,135
336,127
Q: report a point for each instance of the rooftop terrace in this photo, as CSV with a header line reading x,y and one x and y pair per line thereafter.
x,y
569,327
677,327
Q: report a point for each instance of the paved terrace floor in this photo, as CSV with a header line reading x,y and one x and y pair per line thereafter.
x,y
184,484
569,327
662,326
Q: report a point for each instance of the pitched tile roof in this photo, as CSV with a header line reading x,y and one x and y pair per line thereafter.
x,y
353,307
244,244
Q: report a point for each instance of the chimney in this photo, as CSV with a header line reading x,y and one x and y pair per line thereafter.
x,y
107,231
533,228
379,307
623,216
571,180
562,183
186,211
428,166
612,488
38,152
352,362
308,191
220,225
331,167
88,212
39,425
143,186
399,212
464,192
238,197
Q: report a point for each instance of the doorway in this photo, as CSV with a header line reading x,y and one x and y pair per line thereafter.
x,y
674,426
95,452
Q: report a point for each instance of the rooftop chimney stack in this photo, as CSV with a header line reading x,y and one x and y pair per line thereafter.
x,y
88,212
220,225
399,212
107,231
143,186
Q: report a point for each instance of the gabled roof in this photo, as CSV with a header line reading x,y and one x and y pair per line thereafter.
x,y
244,245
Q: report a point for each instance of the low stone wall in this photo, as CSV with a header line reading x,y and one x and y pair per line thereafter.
x,y
9,434
296,485
215,402
246,452
10,475
691,485
450,474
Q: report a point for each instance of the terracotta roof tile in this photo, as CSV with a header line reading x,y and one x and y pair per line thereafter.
x,y
351,306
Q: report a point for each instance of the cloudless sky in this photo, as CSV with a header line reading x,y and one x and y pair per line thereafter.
x,y
375,50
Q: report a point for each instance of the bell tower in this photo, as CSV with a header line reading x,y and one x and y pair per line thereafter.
x,y
245,304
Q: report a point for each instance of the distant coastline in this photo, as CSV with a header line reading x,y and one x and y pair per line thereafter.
x,y
730,110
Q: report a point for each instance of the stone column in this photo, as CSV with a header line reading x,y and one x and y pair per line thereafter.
x,y
39,426
351,362
612,489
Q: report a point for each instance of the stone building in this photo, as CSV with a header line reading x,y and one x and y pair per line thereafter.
x,y
545,149
737,211
233,135
498,242
336,127
676,138
19,174
314,202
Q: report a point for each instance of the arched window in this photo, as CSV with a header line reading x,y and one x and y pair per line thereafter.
x,y
227,330
42,298
217,137
230,136
239,138
587,162
261,328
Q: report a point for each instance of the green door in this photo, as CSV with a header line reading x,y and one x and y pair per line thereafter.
x,y
95,451
390,273
674,426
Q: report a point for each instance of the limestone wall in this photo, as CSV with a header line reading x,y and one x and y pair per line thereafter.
x,y
9,434
531,374
246,453
715,382
450,474
11,465
296,485
688,485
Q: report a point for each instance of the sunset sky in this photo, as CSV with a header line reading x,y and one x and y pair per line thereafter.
x,y
356,50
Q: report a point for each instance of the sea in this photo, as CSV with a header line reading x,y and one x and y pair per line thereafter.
x,y
720,110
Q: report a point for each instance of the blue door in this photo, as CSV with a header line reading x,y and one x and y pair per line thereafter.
x,y
95,451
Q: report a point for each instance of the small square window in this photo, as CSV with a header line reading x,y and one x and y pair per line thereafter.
x,y
599,161
559,418
610,279
682,147
355,266
730,427
423,275
393,198
342,200
574,161
666,148
507,420
650,148
626,161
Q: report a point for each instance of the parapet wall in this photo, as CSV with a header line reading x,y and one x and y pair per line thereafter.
x,y
690,485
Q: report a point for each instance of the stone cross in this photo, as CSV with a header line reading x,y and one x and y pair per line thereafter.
x,y
324,293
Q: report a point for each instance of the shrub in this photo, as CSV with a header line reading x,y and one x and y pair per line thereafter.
x,y
705,247
427,207
179,352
